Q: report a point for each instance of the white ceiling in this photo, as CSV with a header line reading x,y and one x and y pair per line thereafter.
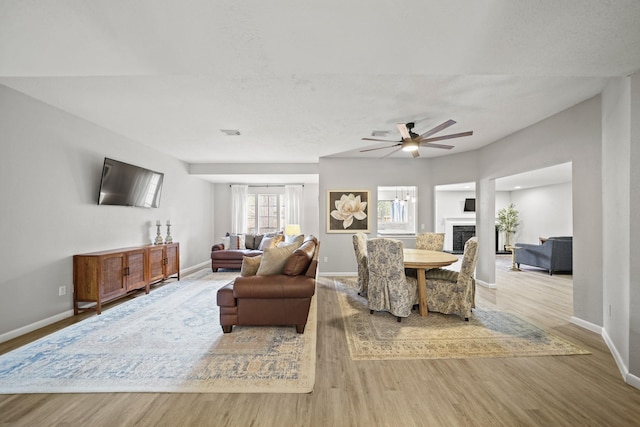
x,y
557,174
304,79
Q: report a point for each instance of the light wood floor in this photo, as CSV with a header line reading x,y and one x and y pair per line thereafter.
x,y
525,391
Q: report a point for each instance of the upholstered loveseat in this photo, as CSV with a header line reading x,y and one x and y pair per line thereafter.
x,y
554,255
229,254
277,299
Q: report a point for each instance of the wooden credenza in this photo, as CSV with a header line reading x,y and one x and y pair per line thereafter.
x,y
108,275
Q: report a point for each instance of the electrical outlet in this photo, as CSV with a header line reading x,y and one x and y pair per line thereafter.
x,y
326,259
62,290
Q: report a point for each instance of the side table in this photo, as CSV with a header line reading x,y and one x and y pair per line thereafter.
x,y
513,250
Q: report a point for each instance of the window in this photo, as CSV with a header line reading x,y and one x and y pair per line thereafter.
x,y
397,210
265,213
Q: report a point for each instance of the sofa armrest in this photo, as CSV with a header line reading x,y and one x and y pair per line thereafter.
x,y
531,248
275,286
217,247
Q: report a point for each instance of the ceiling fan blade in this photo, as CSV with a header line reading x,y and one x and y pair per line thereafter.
x,y
428,144
454,135
415,153
390,153
378,140
438,128
381,148
403,130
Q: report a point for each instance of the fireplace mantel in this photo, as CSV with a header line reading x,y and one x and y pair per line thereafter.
x,y
449,222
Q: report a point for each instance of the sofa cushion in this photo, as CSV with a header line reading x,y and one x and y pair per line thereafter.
x,y
273,260
234,255
299,261
252,241
270,241
250,265
299,238
236,241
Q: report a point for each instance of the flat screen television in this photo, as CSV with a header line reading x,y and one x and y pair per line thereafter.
x,y
128,185
469,205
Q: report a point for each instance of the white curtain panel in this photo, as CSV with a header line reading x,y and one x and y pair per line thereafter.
x,y
293,204
239,194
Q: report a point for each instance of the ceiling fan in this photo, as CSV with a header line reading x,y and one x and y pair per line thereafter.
x,y
412,141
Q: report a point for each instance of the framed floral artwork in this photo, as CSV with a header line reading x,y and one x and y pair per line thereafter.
x,y
347,211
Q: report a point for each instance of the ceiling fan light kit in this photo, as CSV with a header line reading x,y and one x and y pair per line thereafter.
x,y
411,141
410,145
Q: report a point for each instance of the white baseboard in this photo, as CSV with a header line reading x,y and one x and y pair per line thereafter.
x,y
56,318
624,371
633,381
587,325
486,284
34,326
195,268
628,378
338,274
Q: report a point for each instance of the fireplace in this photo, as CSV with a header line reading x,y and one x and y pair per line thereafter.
x,y
462,233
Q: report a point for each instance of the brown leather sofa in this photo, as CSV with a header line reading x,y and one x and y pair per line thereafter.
x,y
232,258
276,300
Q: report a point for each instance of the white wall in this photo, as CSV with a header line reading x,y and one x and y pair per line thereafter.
x,y
50,171
543,212
616,151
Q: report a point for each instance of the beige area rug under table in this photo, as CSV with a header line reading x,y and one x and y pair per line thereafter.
x,y
488,333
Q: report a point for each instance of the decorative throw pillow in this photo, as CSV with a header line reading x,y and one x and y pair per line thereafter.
x,y
294,244
270,242
236,241
299,261
250,265
299,238
249,241
225,242
273,260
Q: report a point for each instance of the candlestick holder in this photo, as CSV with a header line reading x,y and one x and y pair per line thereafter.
x,y
158,236
169,239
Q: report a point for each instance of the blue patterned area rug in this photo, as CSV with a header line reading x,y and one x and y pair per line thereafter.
x,y
167,341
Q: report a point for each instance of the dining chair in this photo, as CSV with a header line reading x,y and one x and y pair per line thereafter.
x,y
452,292
389,288
360,248
430,241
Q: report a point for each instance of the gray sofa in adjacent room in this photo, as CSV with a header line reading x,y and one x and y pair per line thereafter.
x,y
554,255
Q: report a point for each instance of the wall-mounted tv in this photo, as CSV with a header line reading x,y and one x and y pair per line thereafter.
x,y
469,205
128,185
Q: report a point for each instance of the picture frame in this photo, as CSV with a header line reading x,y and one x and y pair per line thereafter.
x,y
348,211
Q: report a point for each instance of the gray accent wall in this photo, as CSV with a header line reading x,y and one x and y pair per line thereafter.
x,y
50,170
621,240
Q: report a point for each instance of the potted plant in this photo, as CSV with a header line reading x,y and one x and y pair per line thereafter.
x,y
508,222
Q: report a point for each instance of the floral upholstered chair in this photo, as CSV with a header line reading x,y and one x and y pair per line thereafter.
x,y
360,247
452,292
389,289
430,241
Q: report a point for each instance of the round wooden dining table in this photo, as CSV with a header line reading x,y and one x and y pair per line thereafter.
x,y
422,260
